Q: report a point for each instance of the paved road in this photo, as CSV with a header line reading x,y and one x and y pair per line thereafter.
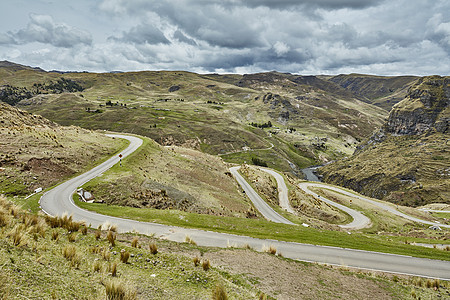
x,y
258,202
58,201
359,220
283,195
383,206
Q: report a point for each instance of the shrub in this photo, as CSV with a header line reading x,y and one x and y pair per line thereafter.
x,y
134,242
111,238
124,256
196,261
206,265
153,248
219,293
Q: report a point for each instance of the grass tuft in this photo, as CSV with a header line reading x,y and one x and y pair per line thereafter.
x,y
206,265
118,290
18,235
111,238
98,235
55,235
97,266
134,242
188,240
219,293
106,254
113,269
271,250
124,256
196,261
71,237
153,248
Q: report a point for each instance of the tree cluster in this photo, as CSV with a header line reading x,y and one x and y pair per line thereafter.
x,y
264,125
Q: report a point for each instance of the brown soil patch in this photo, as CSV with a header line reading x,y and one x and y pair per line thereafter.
x,y
285,279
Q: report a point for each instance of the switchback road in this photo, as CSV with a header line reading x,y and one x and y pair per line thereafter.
x,y
59,200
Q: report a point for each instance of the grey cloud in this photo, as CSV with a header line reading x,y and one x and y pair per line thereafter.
x,y
288,4
141,34
178,35
43,29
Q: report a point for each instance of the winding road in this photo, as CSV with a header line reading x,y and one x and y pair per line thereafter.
x,y
257,201
305,186
59,200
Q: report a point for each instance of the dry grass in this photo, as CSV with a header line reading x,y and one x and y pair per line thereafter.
x,y
55,235
188,240
124,256
206,265
97,266
106,254
134,242
71,237
111,238
271,250
84,229
69,252
219,293
196,261
113,269
98,235
18,235
119,290
153,248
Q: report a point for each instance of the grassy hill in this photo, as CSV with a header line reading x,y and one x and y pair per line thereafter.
x,y
313,119
407,160
37,153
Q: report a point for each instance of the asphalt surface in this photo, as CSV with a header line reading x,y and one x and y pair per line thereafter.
x,y
257,201
58,200
359,220
283,195
305,185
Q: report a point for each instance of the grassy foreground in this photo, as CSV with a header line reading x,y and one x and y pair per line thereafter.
x,y
57,258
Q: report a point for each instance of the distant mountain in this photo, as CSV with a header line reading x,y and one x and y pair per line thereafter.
x,y
407,160
17,67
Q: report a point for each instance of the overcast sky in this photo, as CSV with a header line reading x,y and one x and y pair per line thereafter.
x,y
229,36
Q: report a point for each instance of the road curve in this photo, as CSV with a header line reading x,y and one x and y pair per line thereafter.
x,y
283,195
58,200
257,201
376,203
359,220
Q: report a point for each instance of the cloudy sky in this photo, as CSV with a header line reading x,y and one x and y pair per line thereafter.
x,y
391,37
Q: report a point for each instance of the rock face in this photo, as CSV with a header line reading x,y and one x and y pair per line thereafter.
x,y
406,160
423,108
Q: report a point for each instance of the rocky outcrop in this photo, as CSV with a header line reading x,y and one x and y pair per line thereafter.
x,y
405,160
424,106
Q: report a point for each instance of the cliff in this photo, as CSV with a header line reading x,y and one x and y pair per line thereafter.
x,y
406,161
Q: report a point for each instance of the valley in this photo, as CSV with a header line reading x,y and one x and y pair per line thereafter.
x,y
215,161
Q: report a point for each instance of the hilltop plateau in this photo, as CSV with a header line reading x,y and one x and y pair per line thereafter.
x,y
406,161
